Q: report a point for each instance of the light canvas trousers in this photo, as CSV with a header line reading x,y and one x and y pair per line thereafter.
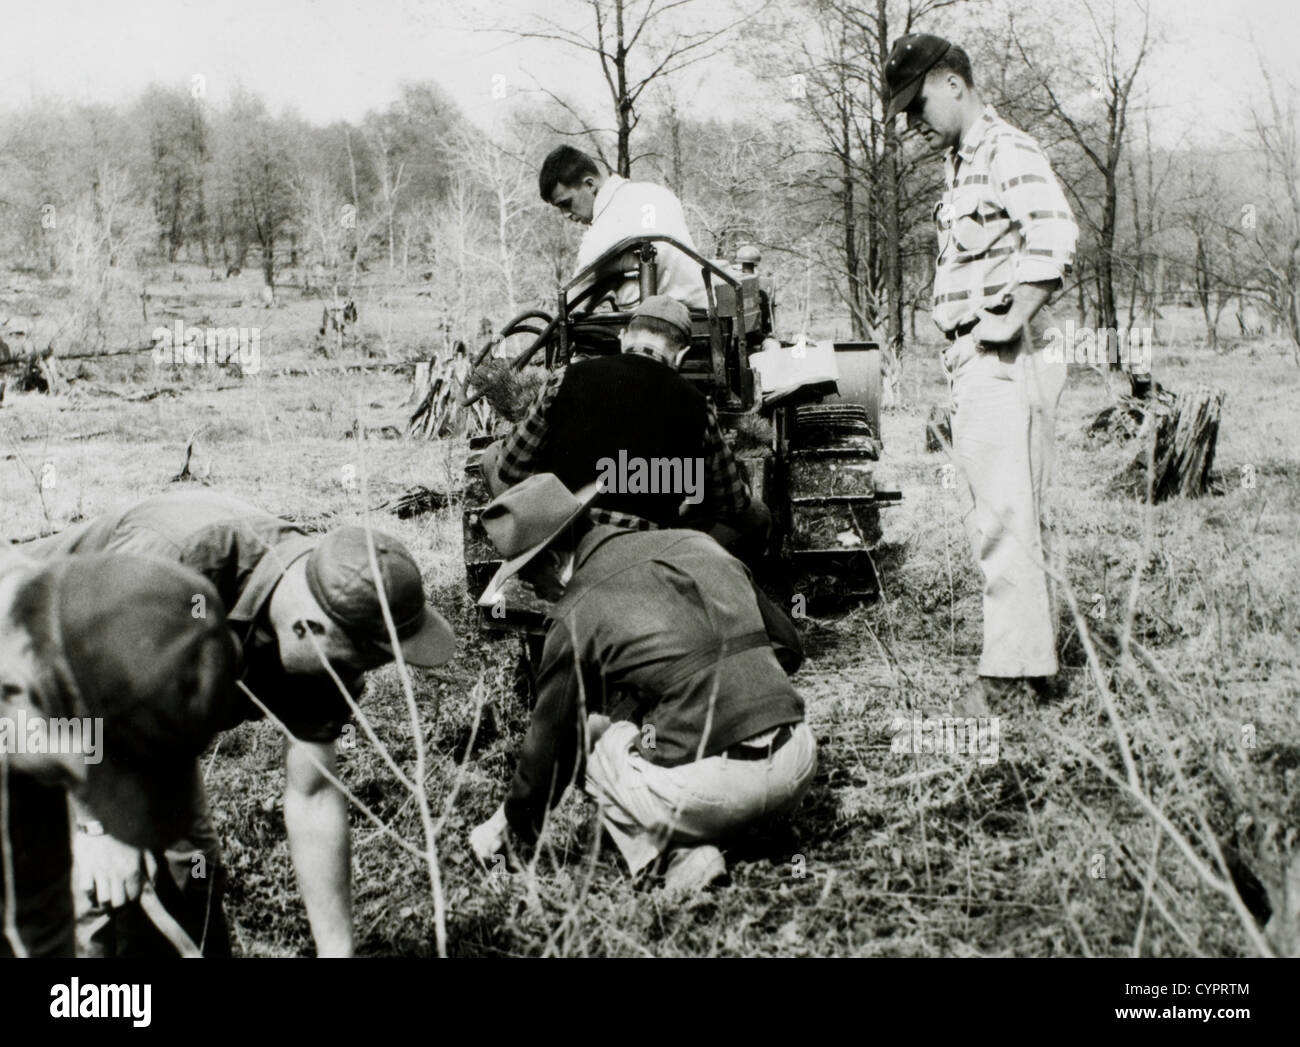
x,y
647,808
1003,422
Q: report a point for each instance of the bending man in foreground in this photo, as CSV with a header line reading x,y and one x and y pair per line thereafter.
x,y
716,739
109,687
304,610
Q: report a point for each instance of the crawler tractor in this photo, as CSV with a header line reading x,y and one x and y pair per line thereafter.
x,y
815,465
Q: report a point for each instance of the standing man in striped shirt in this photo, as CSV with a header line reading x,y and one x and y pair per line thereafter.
x,y
1006,243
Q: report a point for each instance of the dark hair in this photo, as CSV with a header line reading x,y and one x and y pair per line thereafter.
x,y
955,60
671,333
564,166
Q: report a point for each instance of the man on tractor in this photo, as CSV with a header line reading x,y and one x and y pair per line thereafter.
x,y
614,208
653,441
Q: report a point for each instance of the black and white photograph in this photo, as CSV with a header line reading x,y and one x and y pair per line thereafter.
x,y
650,479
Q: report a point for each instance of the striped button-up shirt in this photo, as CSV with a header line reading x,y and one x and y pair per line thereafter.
x,y
1003,221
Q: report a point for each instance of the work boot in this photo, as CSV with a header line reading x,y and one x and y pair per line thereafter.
x,y
1048,688
692,869
994,695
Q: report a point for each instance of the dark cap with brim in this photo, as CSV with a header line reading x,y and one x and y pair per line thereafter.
x,y
910,58
142,645
341,581
669,310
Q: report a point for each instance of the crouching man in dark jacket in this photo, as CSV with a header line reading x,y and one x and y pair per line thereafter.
x,y
717,739
598,417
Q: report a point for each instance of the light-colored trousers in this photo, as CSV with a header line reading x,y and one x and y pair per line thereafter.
x,y
1003,424
647,808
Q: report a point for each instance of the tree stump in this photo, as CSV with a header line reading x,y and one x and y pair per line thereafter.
x,y
440,397
39,374
1185,431
938,429
420,386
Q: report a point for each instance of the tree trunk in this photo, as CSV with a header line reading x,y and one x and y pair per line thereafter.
x,y
893,206
1202,272
1185,430
623,103
848,210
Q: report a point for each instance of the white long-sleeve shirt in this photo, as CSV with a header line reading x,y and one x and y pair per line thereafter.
x,y
623,208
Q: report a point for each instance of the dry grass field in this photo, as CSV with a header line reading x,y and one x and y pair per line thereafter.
x,y
1112,821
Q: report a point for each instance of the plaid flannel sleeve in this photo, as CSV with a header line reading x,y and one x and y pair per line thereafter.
x,y
1035,202
520,454
727,491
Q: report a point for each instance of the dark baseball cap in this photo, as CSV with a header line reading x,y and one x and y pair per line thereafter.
x,y
341,581
141,645
668,309
910,58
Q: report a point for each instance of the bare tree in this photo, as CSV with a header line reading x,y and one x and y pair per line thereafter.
x,y
1149,179
256,158
1210,257
635,43
1276,240
507,179
454,227
864,185
1110,67
392,181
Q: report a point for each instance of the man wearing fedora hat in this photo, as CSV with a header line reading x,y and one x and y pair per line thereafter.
x,y
109,686
1006,243
715,739
304,609
635,407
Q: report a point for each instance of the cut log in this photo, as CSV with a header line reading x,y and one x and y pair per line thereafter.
x,y
1184,430
415,502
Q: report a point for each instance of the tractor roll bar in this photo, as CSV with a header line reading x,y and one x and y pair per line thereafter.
x,y
644,247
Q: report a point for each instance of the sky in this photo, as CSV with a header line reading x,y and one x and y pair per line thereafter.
x,y
337,59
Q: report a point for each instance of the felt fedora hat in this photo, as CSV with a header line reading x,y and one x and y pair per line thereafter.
x,y
527,518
